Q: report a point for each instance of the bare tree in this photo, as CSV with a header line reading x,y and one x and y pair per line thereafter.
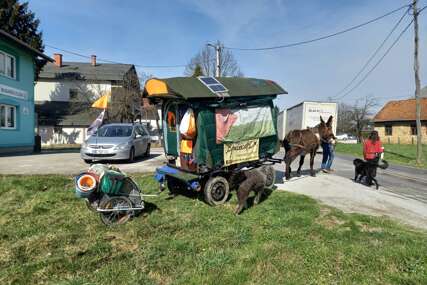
x,y
125,101
363,113
143,77
354,118
345,124
206,57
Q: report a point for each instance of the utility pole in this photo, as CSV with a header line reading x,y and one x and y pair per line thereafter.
x,y
218,54
218,49
417,85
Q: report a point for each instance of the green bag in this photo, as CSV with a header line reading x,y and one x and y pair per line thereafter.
x,y
112,182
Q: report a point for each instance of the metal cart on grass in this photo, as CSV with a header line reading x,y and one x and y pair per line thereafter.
x,y
213,128
110,192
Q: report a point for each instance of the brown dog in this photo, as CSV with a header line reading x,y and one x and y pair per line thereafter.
x,y
254,180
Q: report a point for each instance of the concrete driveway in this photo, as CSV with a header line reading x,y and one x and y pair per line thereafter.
x,y
70,163
402,195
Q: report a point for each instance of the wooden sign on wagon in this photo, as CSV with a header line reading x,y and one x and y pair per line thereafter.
x,y
241,152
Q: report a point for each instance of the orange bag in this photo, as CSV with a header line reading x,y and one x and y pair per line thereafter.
x,y
186,146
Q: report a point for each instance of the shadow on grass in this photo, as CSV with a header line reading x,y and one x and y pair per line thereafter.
x,y
250,200
399,155
148,209
137,159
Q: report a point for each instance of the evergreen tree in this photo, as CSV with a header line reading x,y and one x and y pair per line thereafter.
x,y
197,71
17,20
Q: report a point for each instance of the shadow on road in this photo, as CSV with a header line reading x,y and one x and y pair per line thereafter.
x,y
44,151
137,159
280,175
61,150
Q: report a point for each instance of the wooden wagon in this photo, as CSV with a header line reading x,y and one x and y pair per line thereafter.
x,y
213,128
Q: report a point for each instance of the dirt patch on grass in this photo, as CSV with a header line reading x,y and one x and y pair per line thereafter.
x,y
123,242
327,219
369,229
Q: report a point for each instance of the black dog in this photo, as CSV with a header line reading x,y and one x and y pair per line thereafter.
x,y
253,180
367,169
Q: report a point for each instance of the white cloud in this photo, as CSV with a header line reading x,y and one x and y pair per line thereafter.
x,y
233,17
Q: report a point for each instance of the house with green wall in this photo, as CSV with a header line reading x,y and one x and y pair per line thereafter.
x,y
17,117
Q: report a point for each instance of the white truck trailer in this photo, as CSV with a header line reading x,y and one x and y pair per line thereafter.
x,y
307,114
281,124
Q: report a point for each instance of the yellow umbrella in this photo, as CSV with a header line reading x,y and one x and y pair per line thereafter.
x,y
101,102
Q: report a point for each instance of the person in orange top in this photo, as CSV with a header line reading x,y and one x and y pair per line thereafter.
x,y
372,150
372,147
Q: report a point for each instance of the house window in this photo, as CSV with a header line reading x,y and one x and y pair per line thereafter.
x,y
7,65
7,117
388,130
413,129
74,93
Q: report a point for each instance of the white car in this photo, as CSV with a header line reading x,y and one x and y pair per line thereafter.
x,y
117,142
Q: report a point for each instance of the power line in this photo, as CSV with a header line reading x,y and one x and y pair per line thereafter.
x,y
322,37
373,55
385,54
378,62
115,62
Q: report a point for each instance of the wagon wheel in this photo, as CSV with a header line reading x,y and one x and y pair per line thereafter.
x,y
216,191
119,206
271,176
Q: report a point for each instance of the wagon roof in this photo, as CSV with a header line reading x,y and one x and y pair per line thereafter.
x,y
192,87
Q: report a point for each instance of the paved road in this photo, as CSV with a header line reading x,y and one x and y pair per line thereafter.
x,y
70,163
406,181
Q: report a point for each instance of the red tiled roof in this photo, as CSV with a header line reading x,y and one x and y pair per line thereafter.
x,y
402,110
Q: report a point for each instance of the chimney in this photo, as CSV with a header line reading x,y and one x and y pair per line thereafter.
x,y
93,60
58,59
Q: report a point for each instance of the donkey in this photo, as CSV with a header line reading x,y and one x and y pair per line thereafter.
x,y
302,142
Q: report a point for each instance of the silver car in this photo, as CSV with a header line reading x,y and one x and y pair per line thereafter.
x,y
117,142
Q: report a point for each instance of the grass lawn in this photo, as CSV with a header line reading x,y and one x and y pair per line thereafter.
x,y
48,236
395,153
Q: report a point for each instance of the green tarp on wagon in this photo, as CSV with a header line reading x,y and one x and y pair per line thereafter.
x,y
245,106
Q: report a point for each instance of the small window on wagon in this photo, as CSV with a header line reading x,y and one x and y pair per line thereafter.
x,y
171,121
389,130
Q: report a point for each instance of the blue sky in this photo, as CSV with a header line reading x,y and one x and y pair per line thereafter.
x,y
170,32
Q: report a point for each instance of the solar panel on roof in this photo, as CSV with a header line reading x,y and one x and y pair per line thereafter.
x,y
217,87
209,80
214,85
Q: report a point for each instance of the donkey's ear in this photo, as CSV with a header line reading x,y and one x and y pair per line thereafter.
x,y
321,120
329,122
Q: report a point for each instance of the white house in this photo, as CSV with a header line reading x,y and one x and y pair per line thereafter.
x,y
64,91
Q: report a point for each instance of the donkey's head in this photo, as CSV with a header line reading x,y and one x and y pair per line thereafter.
x,y
325,129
